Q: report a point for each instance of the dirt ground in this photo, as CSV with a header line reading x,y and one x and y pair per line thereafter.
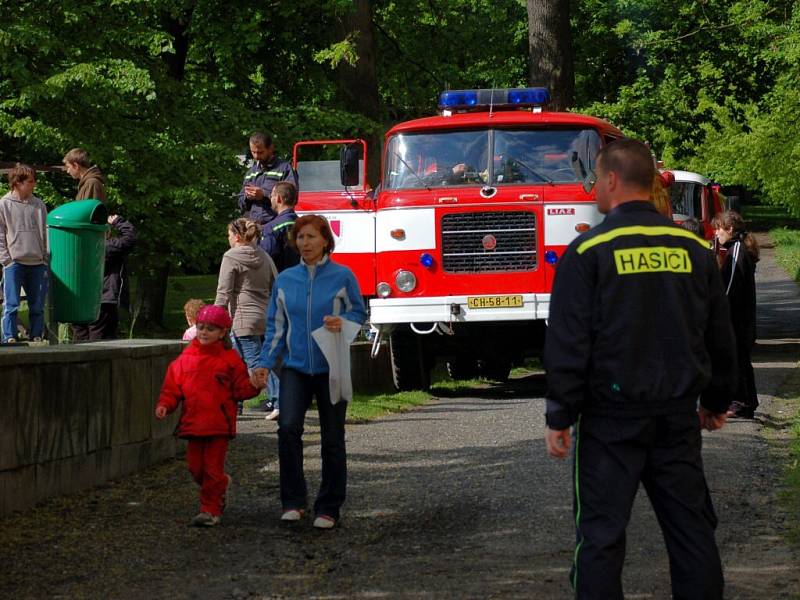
x,y
454,500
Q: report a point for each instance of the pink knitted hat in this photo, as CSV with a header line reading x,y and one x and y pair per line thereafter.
x,y
215,315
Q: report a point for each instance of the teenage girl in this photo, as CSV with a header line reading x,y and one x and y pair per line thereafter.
x,y
738,279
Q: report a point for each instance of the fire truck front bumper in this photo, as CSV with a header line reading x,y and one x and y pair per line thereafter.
x,y
459,309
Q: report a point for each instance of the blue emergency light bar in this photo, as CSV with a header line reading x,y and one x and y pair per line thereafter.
x,y
502,98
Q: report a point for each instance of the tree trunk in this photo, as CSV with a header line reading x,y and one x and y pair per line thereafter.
x,y
150,296
358,84
550,48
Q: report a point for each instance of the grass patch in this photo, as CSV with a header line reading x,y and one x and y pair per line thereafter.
x,y
764,217
787,254
179,289
366,407
787,250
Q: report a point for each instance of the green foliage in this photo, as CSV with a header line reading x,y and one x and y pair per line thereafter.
x,y
163,93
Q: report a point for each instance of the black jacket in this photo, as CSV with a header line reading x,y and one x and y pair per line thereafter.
x,y
117,249
639,324
739,283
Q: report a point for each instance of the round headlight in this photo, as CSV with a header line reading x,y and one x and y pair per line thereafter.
x,y
383,289
405,281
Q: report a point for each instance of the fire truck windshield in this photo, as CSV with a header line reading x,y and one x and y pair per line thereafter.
x,y
489,156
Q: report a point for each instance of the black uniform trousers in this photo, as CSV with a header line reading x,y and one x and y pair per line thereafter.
x,y
104,328
612,455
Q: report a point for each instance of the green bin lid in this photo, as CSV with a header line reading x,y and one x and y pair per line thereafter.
x,y
79,214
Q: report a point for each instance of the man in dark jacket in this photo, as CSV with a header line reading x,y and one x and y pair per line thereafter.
x,y
119,243
639,329
261,177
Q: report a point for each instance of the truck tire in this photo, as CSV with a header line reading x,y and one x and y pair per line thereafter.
x,y
496,370
462,367
410,368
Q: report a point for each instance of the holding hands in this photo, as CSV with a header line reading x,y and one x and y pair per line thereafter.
x,y
258,377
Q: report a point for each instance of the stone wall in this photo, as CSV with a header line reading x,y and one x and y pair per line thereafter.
x,y
73,417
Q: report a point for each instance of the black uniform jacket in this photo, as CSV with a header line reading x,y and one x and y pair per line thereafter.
x,y
639,323
264,175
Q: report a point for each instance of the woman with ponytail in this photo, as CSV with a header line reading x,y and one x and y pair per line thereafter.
x,y
738,280
245,283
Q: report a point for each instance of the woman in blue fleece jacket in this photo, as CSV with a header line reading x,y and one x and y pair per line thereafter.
x,y
313,294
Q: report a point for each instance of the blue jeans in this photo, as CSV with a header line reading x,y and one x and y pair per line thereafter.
x,y
274,390
297,390
249,348
34,278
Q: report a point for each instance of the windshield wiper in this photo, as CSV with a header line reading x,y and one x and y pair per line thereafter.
x,y
578,167
531,169
408,166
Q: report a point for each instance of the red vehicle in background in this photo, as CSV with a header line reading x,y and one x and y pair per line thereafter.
x,y
694,195
474,209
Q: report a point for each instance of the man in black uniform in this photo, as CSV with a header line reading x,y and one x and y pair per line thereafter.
x,y
261,177
638,331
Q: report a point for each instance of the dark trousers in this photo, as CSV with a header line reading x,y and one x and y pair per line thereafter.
x,y
746,394
205,457
104,328
612,456
296,393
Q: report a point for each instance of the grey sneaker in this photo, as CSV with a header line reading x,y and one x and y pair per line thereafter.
x,y
292,515
205,519
324,522
273,416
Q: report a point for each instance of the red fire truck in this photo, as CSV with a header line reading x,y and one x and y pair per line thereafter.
x,y
695,196
474,209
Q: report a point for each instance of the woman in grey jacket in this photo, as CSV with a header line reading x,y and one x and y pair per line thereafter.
x,y
245,282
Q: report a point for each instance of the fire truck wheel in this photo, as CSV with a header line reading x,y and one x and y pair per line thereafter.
x,y
496,370
462,367
411,369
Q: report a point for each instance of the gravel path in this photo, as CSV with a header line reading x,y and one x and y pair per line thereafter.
x,y
455,500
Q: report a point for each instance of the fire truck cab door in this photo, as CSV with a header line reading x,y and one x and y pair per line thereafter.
x,y
350,210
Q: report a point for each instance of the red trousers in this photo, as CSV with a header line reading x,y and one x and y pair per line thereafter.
x,y
205,457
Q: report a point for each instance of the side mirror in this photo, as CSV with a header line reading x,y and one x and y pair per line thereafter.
x,y
348,164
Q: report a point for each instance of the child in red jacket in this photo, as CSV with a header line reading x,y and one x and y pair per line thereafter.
x,y
209,377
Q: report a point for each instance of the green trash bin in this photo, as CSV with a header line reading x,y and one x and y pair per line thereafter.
x,y
76,233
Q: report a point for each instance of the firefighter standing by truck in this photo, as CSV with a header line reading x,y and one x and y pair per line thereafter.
x,y
267,170
639,328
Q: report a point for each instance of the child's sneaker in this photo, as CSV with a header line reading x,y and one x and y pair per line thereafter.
x,y
273,416
205,519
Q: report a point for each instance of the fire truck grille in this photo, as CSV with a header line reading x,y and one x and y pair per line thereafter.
x,y
489,242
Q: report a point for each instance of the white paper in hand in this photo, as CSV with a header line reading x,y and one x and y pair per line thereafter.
x,y
335,348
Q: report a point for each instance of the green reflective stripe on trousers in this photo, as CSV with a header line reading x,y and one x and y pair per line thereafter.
x,y
578,503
